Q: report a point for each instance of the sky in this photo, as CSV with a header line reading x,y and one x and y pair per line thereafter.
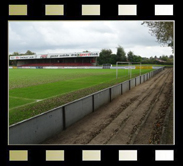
x,y
44,37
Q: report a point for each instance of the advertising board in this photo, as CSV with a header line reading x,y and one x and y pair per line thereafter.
x,y
57,55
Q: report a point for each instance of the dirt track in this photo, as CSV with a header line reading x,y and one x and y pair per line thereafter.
x,y
136,117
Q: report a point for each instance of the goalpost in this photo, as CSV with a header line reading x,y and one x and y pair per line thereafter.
x,y
130,67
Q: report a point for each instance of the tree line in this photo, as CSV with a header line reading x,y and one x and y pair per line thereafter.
x,y
163,31
28,52
106,56
164,59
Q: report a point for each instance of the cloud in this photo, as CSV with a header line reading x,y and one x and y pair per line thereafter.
x,y
74,36
149,51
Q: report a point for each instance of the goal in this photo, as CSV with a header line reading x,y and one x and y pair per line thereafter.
x,y
129,67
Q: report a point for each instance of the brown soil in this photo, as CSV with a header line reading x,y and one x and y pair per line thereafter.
x,y
136,117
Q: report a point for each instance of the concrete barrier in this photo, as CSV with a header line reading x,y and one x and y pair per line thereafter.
x,y
115,91
101,98
37,129
142,78
150,74
125,86
145,77
132,83
137,81
77,110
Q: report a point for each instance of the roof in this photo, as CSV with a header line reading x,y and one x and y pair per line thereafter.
x,y
56,55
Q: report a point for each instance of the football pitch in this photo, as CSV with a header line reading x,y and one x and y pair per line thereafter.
x,y
33,91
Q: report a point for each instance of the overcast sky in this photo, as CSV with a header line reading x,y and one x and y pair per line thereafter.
x,y
44,37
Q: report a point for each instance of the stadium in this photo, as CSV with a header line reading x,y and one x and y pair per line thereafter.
x,y
75,106
59,59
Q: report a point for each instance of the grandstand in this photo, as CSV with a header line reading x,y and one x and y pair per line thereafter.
x,y
60,59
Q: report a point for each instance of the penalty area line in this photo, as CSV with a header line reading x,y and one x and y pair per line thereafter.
x,y
22,98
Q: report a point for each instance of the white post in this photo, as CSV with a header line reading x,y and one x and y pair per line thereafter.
x,y
116,70
130,71
140,68
129,68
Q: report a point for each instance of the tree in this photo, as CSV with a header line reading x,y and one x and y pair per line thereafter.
x,y
164,57
138,58
171,56
170,60
133,58
14,54
29,52
121,55
163,31
105,56
113,58
130,56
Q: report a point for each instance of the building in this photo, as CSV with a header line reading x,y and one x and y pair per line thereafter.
x,y
58,59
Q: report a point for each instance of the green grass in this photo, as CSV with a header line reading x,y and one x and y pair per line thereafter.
x,y
33,91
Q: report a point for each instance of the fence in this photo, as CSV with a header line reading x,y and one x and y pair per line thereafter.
x,y
41,127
